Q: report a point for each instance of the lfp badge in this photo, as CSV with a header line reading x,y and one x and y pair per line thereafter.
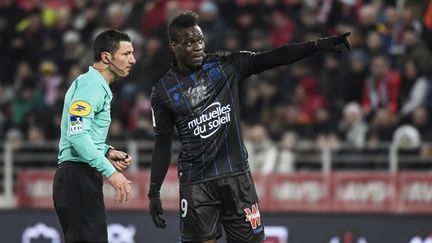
x,y
75,125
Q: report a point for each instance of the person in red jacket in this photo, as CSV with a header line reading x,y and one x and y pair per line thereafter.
x,y
381,88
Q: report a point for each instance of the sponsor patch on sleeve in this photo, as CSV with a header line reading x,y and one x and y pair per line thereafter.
x,y
80,108
75,125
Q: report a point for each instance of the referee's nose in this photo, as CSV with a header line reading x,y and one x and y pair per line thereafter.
x,y
132,60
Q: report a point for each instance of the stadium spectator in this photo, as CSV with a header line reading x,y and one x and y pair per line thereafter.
x,y
353,78
374,44
353,127
285,163
308,99
74,49
415,49
421,119
213,25
262,152
406,138
330,81
381,87
383,123
414,87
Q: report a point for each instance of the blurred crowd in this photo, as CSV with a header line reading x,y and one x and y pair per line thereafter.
x,y
378,91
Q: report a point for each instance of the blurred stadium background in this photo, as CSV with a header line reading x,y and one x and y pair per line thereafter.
x,y
340,145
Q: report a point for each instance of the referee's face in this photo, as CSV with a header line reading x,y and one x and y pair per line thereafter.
x,y
122,60
189,49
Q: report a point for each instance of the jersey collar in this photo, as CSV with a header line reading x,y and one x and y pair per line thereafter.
x,y
100,78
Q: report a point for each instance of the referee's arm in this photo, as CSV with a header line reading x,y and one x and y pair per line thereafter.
x,y
84,145
86,148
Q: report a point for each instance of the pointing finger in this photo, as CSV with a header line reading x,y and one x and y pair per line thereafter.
x,y
347,43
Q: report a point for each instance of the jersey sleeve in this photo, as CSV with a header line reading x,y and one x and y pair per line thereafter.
x,y
241,61
162,117
86,100
252,63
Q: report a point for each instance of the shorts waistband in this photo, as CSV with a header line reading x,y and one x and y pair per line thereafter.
x,y
66,164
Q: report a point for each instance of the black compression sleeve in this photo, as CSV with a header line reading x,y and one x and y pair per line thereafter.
x,y
159,164
283,55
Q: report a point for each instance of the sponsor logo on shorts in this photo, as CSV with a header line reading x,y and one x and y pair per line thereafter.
x,y
253,216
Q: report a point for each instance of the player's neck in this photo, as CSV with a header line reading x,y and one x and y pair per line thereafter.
x,y
185,69
104,70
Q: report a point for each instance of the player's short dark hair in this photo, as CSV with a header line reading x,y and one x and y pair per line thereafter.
x,y
180,22
108,41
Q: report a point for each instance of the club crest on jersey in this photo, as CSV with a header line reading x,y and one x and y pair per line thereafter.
x,y
177,99
213,70
253,216
80,108
75,125
215,73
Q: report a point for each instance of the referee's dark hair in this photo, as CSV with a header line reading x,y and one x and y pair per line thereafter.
x,y
182,21
108,41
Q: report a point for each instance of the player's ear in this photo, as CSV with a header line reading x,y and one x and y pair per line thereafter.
x,y
172,45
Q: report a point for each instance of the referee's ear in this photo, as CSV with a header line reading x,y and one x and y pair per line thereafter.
x,y
106,57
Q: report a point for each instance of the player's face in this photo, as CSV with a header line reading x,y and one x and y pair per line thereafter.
x,y
122,60
189,49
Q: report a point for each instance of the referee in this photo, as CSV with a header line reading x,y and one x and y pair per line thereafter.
x,y
199,96
83,155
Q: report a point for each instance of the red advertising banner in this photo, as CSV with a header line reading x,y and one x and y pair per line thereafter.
x,y
301,192
415,192
261,188
34,189
298,192
363,192
140,184
170,190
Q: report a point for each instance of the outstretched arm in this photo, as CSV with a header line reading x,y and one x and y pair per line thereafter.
x,y
291,53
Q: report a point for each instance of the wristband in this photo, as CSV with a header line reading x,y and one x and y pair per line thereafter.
x,y
109,148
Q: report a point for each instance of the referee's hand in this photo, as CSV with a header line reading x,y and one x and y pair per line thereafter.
x,y
156,210
121,186
119,159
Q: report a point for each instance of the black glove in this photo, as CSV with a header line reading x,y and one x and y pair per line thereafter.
x,y
332,43
156,210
